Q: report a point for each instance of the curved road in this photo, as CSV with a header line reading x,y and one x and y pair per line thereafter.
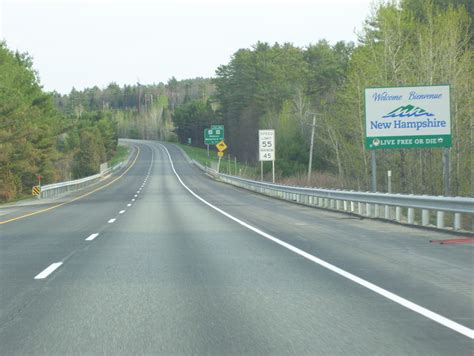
x,y
158,264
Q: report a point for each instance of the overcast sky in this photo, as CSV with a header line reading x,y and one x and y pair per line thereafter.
x,y
83,43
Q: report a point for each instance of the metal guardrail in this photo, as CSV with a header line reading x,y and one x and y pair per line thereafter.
x,y
398,207
50,190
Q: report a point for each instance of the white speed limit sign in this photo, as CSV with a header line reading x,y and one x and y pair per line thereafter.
x,y
266,145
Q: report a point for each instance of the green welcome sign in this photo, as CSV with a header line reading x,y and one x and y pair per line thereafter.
x,y
407,117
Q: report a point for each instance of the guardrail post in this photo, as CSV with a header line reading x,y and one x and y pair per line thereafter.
x,y
387,212
411,216
425,217
368,209
398,213
338,204
457,221
352,207
345,205
440,219
376,210
359,208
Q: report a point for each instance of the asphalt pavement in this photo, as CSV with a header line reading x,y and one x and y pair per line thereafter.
x,y
165,260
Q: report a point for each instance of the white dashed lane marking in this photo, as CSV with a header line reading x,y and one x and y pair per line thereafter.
x,y
45,273
92,237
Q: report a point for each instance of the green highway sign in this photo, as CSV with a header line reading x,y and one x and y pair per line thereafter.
x,y
214,135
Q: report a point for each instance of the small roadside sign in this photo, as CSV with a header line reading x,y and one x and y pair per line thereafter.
x,y
266,145
214,135
36,190
220,154
221,146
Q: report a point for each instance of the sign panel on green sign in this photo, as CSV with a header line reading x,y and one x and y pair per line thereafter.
x,y
214,135
407,117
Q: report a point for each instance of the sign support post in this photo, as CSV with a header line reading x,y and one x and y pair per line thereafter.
x,y
389,177
39,185
374,171
446,183
311,148
273,171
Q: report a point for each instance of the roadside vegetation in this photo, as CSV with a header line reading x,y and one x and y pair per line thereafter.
x,y
229,164
38,140
120,155
267,86
280,86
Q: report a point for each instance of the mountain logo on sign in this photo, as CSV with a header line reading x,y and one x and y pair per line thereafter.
x,y
408,111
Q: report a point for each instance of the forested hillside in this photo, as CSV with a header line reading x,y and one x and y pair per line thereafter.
x,y
139,111
36,139
281,86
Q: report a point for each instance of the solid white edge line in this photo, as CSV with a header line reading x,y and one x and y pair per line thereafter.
x,y
92,237
50,269
111,221
383,292
121,211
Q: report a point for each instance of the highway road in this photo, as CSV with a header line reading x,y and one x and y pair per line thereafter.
x,y
165,260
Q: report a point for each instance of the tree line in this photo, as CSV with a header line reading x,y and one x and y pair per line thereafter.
x,y
139,111
36,139
280,86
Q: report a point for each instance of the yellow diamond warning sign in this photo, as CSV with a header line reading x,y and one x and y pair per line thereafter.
x,y
221,146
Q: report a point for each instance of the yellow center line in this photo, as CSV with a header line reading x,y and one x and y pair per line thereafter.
x,y
77,198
